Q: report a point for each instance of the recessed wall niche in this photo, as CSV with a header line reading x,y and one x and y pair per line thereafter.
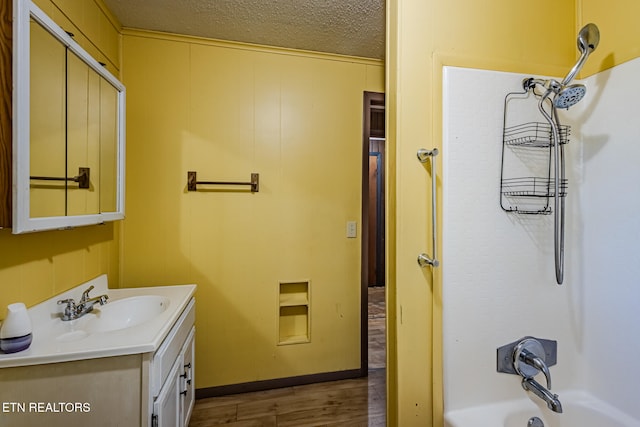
x,y
294,302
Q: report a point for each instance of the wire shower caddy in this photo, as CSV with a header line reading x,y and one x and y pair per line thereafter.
x,y
526,175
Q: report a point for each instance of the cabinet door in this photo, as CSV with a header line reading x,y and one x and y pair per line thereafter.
x,y
166,408
47,123
187,393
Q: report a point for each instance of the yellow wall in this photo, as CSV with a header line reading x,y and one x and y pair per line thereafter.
x,y
422,37
619,31
226,110
237,246
93,26
38,266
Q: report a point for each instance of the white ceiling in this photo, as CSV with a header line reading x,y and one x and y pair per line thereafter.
x,y
348,27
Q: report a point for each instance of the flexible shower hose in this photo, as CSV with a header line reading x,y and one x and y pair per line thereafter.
x,y
558,202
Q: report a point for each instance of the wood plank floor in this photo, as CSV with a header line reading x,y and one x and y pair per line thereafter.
x,y
353,403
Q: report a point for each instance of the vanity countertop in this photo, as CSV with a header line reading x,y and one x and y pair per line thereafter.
x,y
56,341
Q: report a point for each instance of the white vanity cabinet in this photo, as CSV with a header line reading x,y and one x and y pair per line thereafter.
x,y
79,374
171,374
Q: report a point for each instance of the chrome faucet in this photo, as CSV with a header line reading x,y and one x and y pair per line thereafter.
x,y
528,357
75,310
527,351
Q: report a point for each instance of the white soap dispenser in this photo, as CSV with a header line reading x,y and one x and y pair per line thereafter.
x,y
15,333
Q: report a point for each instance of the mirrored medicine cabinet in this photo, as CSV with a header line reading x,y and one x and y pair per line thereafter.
x,y
68,130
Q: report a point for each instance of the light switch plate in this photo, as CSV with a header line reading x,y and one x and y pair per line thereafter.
x,y
352,229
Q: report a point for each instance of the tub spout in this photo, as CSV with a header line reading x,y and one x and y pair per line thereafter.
x,y
551,399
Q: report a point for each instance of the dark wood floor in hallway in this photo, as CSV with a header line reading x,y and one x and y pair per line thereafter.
x,y
353,403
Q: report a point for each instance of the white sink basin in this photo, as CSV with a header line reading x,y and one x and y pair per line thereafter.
x,y
126,313
134,320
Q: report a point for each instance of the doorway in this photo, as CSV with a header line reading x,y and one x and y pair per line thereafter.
x,y
373,309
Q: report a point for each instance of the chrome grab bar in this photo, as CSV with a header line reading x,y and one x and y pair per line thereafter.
x,y
424,259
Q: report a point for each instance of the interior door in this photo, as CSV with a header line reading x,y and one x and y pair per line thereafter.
x,y
376,220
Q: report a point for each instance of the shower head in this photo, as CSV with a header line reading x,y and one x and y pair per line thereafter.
x,y
562,94
569,96
588,40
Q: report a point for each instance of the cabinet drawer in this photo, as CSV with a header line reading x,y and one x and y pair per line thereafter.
x,y
166,355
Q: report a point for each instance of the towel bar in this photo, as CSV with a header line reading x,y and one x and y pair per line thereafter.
x,y
83,178
192,182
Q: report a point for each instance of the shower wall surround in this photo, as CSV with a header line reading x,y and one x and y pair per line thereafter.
x,y
609,238
498,272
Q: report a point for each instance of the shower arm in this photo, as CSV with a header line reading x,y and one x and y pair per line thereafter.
x,y
576,68
558,224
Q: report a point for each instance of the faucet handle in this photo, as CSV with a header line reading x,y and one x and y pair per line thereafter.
x,y
69,310
529,358
68,301
85,294
537,362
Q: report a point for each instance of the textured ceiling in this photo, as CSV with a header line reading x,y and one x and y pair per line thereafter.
x,y
348,27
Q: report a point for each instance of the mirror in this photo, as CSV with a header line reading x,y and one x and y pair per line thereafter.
x,y
68,140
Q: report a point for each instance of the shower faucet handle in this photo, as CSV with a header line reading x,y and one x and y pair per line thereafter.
x,y
524,363
529,358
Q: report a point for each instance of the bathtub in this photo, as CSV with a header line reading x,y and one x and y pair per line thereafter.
x,y
580,409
